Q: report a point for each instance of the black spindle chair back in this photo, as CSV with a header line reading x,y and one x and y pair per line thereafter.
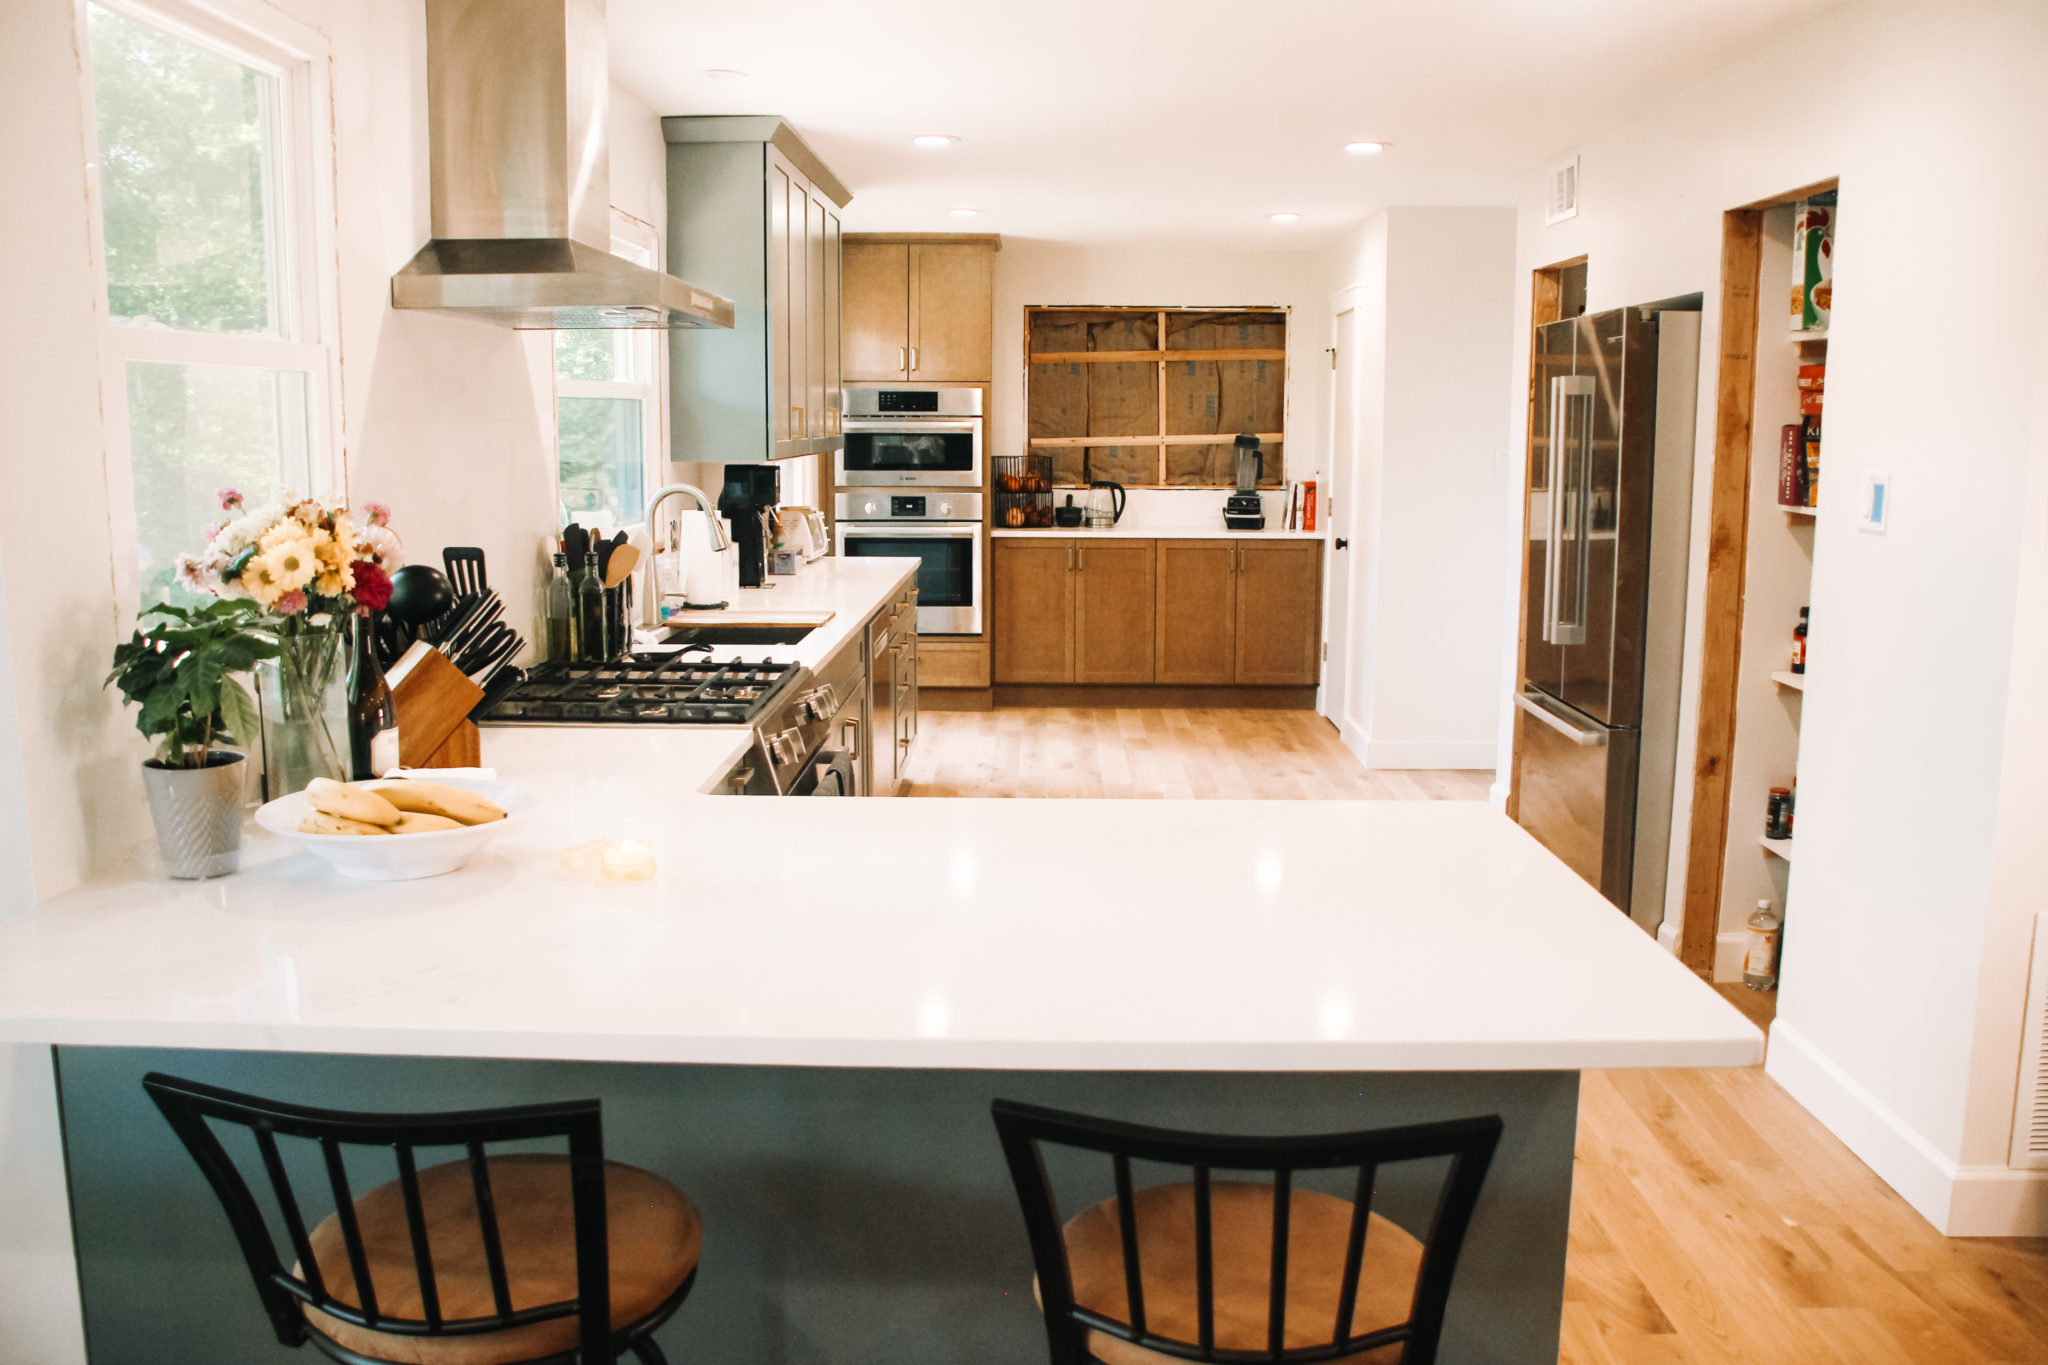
x,y
1468,1143
189,1105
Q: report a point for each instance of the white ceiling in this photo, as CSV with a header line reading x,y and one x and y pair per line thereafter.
x,y
1185,121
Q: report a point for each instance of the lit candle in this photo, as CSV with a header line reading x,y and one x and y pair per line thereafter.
x,y
629,860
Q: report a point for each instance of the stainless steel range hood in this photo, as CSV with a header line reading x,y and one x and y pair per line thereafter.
x,y
521,178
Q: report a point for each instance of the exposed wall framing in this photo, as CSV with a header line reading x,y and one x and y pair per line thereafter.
x,y
1155,397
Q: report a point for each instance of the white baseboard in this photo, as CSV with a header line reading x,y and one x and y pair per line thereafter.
x,y
1961,1201
1403,753
1497,795
1667,936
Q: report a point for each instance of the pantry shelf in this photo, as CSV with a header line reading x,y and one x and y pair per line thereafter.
x,y
1795,681
1779,847
1799,511
1817,334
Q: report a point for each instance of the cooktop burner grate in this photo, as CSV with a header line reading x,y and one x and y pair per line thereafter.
x,y
645,689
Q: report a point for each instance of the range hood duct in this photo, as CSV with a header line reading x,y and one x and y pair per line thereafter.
x,y
521,177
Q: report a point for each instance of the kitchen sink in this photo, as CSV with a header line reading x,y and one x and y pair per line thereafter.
x,y
739,634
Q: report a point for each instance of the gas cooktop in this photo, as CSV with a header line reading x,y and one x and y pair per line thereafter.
x,y
646,689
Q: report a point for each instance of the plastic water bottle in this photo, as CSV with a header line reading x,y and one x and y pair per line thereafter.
x,y
1760,963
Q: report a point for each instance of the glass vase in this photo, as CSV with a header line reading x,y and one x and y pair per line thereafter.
x,y
299,697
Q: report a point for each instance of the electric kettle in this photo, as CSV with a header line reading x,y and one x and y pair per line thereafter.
x,y
1105,504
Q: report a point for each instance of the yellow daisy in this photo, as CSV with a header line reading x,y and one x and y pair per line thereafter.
x,y
289,564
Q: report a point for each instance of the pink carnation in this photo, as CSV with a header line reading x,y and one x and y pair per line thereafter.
x,y
228,498
372,589
376,513
292,603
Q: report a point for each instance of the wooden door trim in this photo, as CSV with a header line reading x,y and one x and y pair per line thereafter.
x,y
1727,562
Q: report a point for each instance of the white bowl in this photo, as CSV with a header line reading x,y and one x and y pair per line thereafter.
x,y
396,857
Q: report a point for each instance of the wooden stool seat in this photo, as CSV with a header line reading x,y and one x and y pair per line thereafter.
x,y
653,1233
1241,1229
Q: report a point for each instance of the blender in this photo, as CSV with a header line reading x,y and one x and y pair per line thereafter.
x,y
1244,510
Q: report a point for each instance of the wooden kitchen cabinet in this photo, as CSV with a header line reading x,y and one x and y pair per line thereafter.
x,y
755,210
1197,632
920,307
1032,596
1113,611
1279,613
1188,613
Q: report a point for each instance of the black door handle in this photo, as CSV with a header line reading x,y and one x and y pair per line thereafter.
x,y
1343,544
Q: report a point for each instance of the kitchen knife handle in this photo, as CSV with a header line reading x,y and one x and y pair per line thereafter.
x,y
1585,739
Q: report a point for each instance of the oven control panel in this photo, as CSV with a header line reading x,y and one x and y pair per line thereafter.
x,y
881,505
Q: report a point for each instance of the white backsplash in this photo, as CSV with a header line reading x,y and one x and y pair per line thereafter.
x,y
1179,506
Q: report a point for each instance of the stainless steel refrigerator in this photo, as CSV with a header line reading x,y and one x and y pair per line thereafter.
x,y
1610,502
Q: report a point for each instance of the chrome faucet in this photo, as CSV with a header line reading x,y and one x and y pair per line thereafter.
x,y
719,540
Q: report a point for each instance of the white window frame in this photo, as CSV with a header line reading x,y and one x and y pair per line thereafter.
x,y
642,238
303,238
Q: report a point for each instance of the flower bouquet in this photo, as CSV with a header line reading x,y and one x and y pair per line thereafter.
x,y
310,565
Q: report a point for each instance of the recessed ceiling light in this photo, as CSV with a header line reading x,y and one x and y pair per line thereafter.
x,y
935,139
963,213
1365,148
725,73
1285,217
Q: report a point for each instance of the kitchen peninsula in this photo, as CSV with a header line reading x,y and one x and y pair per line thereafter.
x,y
830,995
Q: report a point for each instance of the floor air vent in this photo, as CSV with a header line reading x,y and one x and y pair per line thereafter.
x,y
2030,1114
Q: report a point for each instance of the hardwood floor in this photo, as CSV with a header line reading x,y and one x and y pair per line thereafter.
x,y
1713,1219
1157,754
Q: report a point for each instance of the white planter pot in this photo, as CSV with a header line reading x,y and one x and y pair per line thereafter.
x,y
198,814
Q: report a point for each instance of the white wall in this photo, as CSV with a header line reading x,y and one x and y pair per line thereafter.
x,y
1031,273
1899,1013
1436,292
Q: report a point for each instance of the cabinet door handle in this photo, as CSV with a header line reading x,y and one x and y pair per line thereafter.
x,y
849,738
796,423
903,359
1080,560
913,360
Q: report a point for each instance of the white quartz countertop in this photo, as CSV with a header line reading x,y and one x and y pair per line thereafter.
x,y
852,590
1127,531
896,933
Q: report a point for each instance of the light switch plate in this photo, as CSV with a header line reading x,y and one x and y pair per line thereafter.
x,y
1874,501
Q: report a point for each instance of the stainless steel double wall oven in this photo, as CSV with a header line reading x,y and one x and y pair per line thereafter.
x,y
910,480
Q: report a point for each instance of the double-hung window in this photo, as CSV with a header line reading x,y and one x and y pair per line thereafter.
x,y
608,413
210,183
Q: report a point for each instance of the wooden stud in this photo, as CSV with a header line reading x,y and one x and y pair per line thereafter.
x,y
1727,553
1133,357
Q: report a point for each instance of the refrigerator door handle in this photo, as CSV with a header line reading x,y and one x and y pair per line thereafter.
x,y
1572,396
1584,738
1554,500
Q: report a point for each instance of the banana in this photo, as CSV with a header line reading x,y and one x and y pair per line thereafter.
x,y
318,823
339,799
419,822
431,798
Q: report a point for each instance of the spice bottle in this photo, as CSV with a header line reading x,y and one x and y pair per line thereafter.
x,y
1760,962
1778,814
1799,643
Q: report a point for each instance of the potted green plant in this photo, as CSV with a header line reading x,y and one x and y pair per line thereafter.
x,y
178,668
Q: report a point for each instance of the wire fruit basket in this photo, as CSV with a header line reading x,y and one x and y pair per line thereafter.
x,y
1023,488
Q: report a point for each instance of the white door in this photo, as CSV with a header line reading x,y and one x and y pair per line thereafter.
x,y
1342,505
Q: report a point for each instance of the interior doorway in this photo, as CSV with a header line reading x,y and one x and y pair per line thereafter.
x,y
1347,636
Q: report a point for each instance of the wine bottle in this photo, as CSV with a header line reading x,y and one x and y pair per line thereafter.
x,y
372,717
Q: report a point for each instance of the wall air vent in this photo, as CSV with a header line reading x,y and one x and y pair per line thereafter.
x,y
2030,1113
1561,192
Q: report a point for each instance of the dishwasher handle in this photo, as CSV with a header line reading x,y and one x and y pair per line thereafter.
x,y
1593,738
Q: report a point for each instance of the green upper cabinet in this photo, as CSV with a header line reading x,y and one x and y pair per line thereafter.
x,y
755,214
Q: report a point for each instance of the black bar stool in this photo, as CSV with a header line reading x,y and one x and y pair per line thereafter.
x,y
533,1258
1246,1272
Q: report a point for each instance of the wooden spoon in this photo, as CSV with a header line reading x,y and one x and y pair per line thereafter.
x,y
625,559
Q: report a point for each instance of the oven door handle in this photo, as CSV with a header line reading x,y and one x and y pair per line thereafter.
x,y
905,530
944,426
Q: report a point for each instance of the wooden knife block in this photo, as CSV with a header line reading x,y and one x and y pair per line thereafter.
x,y
433,702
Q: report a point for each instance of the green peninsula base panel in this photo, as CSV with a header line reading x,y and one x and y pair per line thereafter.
x,y
852,1217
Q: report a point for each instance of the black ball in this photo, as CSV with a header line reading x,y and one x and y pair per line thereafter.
x,y
419,593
